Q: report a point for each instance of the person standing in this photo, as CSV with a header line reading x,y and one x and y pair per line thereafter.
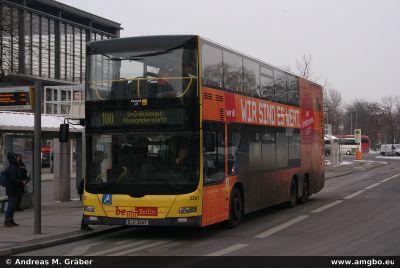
x,y
13,189
23,174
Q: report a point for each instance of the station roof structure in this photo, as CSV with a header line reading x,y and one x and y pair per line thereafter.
x,y
18,122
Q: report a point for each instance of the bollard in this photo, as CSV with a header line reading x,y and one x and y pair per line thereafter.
x,y
358,155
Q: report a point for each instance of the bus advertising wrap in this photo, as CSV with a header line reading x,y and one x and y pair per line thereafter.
x,y
243,109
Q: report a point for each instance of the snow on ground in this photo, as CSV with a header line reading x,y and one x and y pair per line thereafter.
x,y
328,163
389,157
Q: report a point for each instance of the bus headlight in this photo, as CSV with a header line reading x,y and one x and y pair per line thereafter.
x,y
89,209
187,210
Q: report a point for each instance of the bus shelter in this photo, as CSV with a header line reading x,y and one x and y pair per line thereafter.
x,y
16,135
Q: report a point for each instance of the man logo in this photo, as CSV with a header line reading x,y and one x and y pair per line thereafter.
x,y
107,199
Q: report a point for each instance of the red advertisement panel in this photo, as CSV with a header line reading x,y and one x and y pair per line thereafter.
x,y
249,110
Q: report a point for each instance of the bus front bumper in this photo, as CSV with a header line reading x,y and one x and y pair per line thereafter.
x,y
188,221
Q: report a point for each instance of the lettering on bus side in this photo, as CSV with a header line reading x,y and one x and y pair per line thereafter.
x,y
264,113
267,114
249,111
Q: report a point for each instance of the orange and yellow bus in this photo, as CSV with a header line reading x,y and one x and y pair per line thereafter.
x,y
182,131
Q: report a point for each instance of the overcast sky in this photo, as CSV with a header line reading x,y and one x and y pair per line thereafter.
x,y
354,44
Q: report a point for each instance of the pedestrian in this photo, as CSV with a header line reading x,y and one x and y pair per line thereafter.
x,y
14,185
24,176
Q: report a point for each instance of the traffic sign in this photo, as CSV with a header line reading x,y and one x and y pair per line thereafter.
x,y
357,135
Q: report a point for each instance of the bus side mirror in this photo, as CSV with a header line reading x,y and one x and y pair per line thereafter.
x,y
209,141
64,133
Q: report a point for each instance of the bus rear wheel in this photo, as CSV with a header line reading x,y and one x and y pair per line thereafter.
x,y
348,152
293,195
235,208
306,191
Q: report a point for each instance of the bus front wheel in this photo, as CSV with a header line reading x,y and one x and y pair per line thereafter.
x,y
235,208
348,152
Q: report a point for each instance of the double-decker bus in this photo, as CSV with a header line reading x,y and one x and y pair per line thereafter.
x,y
185,132
348,144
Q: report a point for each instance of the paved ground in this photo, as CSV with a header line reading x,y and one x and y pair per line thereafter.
x,y
61,221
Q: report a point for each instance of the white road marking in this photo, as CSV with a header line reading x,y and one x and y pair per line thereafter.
x,y
80,250
126,252
228,250
354,194
113,249
337,202
388,179
372,186
121,242
280,227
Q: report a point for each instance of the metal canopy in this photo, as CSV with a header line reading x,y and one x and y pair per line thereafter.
x,y
24,122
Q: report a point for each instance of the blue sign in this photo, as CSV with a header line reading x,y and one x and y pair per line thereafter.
x,y
107,199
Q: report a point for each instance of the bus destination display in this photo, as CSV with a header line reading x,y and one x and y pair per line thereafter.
x,y
138,118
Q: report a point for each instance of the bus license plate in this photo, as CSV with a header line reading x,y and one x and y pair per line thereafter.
x,y
137,222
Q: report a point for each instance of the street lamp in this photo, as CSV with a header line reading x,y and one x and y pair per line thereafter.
x,y
341,128
351,122
356,121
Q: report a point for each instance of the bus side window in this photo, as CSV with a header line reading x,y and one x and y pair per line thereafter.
x,y
280,87
212,66
214,152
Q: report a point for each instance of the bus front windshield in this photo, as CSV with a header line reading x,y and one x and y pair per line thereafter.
x,y
167,73
142,163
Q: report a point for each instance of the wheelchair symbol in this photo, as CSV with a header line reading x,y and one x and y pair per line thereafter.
x,y
107,199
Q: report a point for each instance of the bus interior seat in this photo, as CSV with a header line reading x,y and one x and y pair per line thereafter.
x,y
118,89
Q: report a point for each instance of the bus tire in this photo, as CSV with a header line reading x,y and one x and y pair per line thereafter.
x,y
235,208
306,190
293,194
348,152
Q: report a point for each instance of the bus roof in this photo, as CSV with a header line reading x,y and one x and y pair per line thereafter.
x,y
152,42
350,136
141,42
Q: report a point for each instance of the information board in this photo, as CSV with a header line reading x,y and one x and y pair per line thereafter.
x,y
15,99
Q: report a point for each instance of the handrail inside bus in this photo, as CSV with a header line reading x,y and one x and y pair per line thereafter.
x,y
190,78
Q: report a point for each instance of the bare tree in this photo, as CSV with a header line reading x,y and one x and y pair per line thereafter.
x,y
367,116
304,66
332,107
389,106
13,45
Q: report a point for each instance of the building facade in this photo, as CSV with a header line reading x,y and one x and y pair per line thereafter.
x,y
44,40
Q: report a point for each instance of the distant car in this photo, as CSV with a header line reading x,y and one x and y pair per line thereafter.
x,y
390,150
45,155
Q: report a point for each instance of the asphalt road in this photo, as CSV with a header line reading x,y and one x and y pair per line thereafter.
x,y
354,215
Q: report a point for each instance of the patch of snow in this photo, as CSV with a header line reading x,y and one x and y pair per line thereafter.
x,y
389,157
